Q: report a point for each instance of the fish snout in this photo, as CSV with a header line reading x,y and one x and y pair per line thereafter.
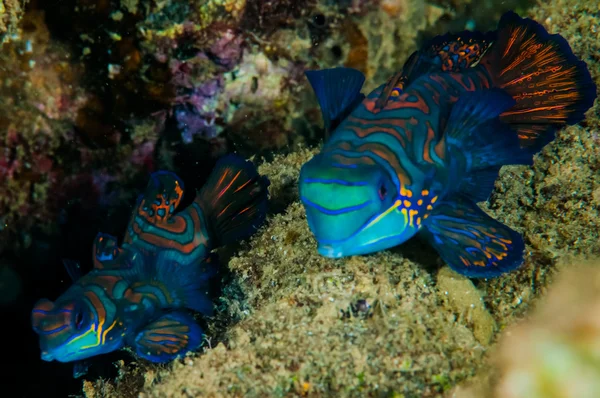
x,y
46,356
40,312
329,251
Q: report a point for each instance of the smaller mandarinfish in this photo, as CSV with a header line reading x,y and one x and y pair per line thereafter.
x,y
418,153
137,294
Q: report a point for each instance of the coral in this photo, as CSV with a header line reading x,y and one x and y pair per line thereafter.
x,y
55,153
11,12
195,112
39,91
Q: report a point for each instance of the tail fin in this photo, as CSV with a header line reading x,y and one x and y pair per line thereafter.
x,y
234,200
551,86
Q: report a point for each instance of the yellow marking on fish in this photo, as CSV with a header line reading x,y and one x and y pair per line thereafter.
x,y
98,335
404,213
412,214
90,330
396,204
108,330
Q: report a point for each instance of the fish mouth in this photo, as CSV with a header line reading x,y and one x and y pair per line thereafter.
x,y
329,251
46,356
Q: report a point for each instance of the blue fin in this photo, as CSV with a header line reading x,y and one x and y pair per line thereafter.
x,y
73,269
479,184
477,136
162,196
338,93
189,285
473,109
471,242
105,250
170,336
80,368
234,199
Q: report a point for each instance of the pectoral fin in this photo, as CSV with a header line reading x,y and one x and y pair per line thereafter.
x,y
471,242
168,337
80,368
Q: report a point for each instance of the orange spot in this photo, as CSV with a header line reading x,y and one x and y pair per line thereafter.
x,y
412,214
427,144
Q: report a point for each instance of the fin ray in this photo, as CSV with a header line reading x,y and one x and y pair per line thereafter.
x,y
451,52
483,143
73,269
551,86
234,199
338,93
168,337
471,242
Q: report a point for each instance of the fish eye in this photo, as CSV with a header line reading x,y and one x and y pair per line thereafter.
x,y
79,319
382,191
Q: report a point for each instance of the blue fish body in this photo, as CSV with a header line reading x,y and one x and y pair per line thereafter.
x,y
140,294
416,154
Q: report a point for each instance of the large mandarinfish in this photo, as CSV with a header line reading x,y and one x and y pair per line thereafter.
x,y
417,154
137,294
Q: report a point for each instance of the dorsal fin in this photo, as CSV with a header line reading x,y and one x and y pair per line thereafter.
x,y
73,269
105,250
445,53
338,93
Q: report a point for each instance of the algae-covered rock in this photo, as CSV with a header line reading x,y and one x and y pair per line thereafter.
x,y
466,300
11,12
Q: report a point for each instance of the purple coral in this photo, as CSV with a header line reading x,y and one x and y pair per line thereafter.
x,y
195,105
227,50
195,111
